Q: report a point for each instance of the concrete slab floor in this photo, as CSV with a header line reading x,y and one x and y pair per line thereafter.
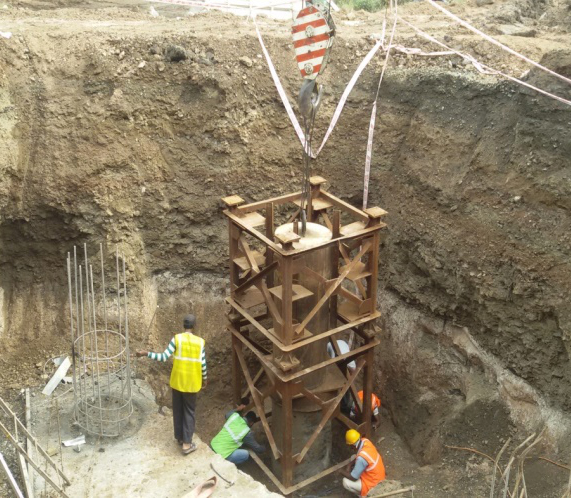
x,y
146,461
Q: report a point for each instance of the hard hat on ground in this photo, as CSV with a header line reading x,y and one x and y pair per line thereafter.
x,y
189,322
352,436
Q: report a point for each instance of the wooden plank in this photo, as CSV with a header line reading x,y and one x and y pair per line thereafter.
x,y
333,303
270,235
11,480
287,296
250,297
293,216
253,219
306,334
268,472
347,259
259,327
276,201
353,228
321,475
255,233
328,222
259,404
375,212
316,180
305,342
358,273
252,231
344,206
233,200
268,391
350,311
318,204
367,393
289,377
233,235
333,405
243,263
255,380
243,243
287,442
352,388
346,421
298,292
374,262
257,276
309,395
332,289
351,355
353,298
236,373
272,307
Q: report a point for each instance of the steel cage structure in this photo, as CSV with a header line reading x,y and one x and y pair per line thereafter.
x,y
100,355
265,271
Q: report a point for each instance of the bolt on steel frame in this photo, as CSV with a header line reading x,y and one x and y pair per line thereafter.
x,y
261,320
100,354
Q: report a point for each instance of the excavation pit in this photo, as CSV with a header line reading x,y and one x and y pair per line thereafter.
x,y
104,139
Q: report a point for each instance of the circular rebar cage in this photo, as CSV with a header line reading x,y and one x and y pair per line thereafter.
x,y
103,400
101,357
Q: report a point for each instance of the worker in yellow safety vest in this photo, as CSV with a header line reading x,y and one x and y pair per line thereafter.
x,y
236,435
188,376
368,469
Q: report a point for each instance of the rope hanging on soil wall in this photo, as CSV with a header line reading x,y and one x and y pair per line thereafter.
x,y
496,42
369,154
483,68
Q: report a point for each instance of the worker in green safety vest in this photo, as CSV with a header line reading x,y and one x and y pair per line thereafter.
x,y
235,436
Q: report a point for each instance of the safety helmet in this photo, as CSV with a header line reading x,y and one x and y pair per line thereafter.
x,y
352,436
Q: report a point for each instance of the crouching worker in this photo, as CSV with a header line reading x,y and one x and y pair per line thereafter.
x,y
235,436
375,406
368,468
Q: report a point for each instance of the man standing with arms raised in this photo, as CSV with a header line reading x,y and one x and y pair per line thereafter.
x,y
188,376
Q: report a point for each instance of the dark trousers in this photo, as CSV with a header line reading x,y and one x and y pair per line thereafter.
x,y
183,405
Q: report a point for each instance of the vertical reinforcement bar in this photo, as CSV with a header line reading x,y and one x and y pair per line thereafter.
x,y
72,333
96,342
127,351
105,319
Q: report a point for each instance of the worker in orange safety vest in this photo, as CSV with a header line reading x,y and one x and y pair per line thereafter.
x,y
368,468
375,407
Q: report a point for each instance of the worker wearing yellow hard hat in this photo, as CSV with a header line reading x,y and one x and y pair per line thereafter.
x,y
368,468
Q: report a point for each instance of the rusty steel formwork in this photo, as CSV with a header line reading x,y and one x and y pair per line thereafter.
x,y
271,331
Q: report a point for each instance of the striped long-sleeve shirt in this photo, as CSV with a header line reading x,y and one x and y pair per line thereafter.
x,y
164,356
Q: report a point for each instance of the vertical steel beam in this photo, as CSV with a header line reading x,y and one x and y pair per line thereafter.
x,y
286,266
368,391
270,235
287,441
236,371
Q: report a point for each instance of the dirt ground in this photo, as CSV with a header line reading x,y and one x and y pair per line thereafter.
x,y
103,138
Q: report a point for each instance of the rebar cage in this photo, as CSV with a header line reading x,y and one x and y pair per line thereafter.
x,y
100,354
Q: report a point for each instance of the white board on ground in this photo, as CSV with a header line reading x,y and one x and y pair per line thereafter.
x,y
57,377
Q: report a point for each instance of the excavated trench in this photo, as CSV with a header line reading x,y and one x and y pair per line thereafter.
x,y
475,174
